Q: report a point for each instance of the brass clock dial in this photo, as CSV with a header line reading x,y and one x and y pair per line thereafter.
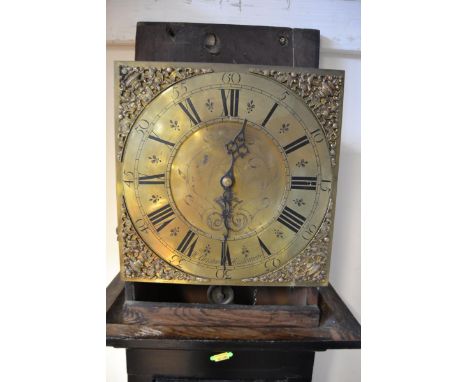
x,y
225,176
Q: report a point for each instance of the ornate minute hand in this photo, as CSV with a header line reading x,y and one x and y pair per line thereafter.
x,y
236,148
226,181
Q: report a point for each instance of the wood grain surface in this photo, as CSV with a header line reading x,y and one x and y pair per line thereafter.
x,y
128,325
235,44
205,315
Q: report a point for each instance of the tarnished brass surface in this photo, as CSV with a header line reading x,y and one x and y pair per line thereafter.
x,y
226,174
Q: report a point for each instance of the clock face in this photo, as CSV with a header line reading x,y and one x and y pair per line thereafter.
x,y
226,175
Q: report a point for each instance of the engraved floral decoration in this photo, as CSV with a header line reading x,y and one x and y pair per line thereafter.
x,y
284,128
154,198
301,163
250,106
139,262
175,231
138,85
322,93
154,159
299,202
311,265
209,105
245,251
279,234
174,125
207,250
201,255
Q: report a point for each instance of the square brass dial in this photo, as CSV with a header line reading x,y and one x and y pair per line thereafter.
x,y
226,174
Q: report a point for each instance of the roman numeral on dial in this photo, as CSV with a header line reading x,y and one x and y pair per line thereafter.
x,y
160,140
263,247
297,144
304,183
187,244
270,113
151,179
291,219
161,217
225,255
192,113
233,99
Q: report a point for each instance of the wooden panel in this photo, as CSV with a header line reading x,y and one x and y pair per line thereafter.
x,y
335,314
225,333
227,44
297,296
140,378
169,379
113,291
204,315
219,345
339,21
195,364
337,329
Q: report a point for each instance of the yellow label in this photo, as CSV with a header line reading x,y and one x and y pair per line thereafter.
x,y
221,356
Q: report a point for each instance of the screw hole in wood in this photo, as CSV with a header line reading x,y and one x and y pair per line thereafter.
x,y
212,43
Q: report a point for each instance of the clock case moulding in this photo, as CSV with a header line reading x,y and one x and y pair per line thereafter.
x,y
138,83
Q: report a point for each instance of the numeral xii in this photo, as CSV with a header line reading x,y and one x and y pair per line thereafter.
x,y
233,99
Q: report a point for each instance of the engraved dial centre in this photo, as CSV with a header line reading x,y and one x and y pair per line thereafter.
x,y
260,185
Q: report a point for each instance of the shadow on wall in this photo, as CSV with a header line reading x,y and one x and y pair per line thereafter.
x,y
345,272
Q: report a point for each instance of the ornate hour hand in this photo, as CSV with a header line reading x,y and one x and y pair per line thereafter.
x,y
236,148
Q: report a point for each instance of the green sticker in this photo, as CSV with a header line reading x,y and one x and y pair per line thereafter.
x,y
221,356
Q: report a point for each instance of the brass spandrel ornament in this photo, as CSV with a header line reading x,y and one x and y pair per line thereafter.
x,y
226,174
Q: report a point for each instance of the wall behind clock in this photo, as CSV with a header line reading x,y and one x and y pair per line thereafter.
x,y
339,23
